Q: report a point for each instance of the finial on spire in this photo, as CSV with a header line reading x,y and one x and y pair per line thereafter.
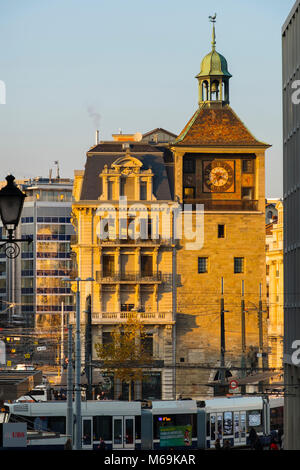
x,y
213,20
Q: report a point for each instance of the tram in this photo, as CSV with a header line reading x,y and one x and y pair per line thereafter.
x,y
184,424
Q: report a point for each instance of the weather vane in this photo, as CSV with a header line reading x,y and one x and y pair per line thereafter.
x,y
212,19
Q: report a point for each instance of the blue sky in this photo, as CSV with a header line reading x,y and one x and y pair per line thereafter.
x,y
73,66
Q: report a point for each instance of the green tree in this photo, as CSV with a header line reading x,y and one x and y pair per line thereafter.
x,y
127,354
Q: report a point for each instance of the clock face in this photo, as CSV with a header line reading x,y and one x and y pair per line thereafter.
x,y
218,176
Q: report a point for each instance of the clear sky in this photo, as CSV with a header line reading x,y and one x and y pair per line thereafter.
x,y
71,66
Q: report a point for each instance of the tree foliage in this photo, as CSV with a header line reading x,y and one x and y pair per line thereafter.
x,y
126,354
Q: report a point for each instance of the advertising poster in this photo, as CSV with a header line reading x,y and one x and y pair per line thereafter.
x,y
176,436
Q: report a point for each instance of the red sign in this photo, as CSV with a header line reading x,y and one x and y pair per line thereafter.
x,y
233,384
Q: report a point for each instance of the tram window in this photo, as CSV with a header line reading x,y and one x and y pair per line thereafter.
x,y
174,420
276,418
102,426
254,420
118,423
227,424
137,427
207,426
50,424
57,424
236,425
212,427
219,429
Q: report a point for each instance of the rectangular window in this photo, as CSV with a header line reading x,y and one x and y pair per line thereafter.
x,y
189,192
110,190
248,166
147,344
143,191
106,338
102,426
188,165
221,231
146,265
108,263
247,193
202,265
238,265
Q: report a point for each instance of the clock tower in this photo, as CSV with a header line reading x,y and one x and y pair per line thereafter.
x,y
220,164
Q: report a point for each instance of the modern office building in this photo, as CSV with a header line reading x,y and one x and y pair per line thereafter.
x,y
291,189
31,285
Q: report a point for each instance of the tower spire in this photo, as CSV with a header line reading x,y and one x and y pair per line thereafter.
x,y
212,19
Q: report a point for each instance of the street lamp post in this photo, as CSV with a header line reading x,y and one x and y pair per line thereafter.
x,y
78,431
11,205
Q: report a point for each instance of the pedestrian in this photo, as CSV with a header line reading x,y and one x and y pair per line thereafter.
x,y
217,444
102,445
252,437
273,445
68,445
257,444
226,445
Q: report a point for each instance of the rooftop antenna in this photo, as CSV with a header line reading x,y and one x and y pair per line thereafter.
x,y
57,169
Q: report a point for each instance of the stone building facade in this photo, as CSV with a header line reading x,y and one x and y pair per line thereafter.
x,y
275,284
219,164
203,301
131,274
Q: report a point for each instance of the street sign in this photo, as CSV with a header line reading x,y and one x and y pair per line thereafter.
x,y
233,384
41,348
27,356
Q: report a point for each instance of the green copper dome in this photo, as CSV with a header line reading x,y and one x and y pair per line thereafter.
x,y
214,64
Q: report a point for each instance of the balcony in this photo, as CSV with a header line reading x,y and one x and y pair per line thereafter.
x,y
224,205
138,241
121,317
132,277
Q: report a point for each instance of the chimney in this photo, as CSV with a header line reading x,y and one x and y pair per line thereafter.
x,y
97,137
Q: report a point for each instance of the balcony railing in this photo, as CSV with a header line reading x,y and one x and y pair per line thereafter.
x,y
116,317
224,205
138,241
105,277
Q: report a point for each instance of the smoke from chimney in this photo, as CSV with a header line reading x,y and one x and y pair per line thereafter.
x,y
96,117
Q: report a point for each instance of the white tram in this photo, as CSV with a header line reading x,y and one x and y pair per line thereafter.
x,y
136,425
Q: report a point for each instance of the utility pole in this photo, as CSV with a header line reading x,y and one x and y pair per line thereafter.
x,y
78,372
222,359
88,348
62,352
260,327
243,322
70,386
260,324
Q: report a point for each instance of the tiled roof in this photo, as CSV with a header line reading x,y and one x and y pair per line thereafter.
x,y
216,127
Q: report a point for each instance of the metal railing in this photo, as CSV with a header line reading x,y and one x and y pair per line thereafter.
x,y
131,277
